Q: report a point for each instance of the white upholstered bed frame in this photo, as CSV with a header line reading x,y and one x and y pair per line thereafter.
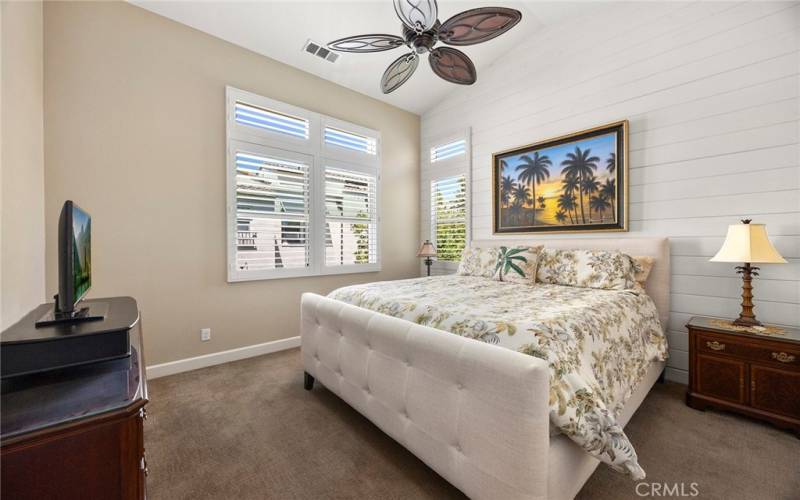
x,y
475,413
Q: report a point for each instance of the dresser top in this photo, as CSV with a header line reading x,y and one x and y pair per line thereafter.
x,y
33,403
771,332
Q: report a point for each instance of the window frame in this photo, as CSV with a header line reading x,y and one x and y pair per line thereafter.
x,y
319,154
443,169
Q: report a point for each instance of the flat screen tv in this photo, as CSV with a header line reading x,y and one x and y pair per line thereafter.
x,y
74,257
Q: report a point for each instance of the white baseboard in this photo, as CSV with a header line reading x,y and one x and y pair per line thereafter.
x,y
217,358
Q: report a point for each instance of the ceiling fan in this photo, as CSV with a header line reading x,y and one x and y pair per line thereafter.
x,y
422,30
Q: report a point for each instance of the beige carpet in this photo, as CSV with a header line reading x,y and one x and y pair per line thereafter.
x,y
248,430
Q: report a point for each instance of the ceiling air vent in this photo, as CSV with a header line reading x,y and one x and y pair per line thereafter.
x,y
318,50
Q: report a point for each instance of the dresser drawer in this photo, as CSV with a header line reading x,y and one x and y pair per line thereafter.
x,y
772,353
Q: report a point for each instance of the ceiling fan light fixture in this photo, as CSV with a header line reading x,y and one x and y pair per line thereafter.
x,y
419,15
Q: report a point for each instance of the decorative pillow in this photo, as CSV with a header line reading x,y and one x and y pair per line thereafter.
x,y
478,262
517,264
611,270
642,265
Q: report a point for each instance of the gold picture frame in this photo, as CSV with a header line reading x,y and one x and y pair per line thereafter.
x,y
572,182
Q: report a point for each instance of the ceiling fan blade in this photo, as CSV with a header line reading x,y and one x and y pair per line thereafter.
x,y
419,15
366,43
453,66
478,25
399,72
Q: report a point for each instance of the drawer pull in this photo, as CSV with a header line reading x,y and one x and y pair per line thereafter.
x,y
783,357
716,346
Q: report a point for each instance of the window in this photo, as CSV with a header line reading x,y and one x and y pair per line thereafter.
x,y
272,211
449,217
302,192
269,120
445,197
348,140
350,218
449,150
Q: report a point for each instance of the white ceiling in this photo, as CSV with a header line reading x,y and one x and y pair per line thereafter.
x,y
279,29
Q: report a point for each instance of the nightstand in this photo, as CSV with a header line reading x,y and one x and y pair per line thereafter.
x,y
756,373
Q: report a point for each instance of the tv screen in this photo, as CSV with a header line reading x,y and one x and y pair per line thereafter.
x,y
81,252
74,256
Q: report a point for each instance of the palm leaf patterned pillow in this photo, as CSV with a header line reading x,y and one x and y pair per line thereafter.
x,y
517,264
478,262
606,269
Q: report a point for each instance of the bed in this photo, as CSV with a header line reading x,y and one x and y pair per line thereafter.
x,y
477,413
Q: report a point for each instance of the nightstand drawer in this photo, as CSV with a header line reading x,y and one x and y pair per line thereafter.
x,y
722,378
772,353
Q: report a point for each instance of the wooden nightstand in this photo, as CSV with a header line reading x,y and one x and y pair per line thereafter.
x,y
757,374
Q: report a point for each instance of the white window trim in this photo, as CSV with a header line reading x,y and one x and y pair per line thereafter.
x,y
318,154
442,169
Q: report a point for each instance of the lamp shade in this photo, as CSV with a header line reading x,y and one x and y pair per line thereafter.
x,y
748,243
427,250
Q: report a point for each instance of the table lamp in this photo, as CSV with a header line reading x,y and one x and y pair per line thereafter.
x,y
747,243
428,251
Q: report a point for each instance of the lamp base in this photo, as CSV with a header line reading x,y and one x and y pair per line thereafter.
x,y
747,317
741,321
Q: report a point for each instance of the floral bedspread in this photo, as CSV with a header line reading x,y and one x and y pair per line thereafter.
x,y
597,343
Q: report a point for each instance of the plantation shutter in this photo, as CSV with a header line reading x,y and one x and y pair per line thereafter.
x,y
272,121
272,213
351,213
351,141
449,150
449,216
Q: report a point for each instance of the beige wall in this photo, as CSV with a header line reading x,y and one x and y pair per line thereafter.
x,y
21,162
135,134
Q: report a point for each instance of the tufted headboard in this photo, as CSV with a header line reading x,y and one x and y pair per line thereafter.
x,y
657,285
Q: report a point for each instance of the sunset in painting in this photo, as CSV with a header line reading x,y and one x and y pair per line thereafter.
x,y
570,184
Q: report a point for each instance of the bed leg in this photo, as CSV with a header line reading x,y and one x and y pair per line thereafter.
x,y
660,377
308,381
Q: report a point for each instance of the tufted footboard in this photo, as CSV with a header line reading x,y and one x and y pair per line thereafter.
x,y
475,413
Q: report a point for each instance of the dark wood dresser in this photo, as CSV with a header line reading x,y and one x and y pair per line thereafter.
x,y
76,433
756,374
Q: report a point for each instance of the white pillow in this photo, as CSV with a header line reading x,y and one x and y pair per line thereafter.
x,y
478,262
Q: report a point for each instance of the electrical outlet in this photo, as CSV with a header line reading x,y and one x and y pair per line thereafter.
x,y
205,334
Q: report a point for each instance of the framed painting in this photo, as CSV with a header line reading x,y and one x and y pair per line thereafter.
x,y
574,183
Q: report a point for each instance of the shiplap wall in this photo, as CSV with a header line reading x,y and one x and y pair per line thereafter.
x,y
711,92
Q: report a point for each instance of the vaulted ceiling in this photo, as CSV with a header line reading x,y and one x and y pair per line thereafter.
x,y
279,29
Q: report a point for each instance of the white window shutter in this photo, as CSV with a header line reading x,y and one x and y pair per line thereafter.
x,y
351,213
449,150
449,217
272,213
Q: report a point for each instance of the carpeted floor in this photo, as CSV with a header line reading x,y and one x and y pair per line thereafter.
x,y
248,430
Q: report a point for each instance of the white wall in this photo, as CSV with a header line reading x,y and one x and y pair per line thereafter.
x,y
22,161
711,92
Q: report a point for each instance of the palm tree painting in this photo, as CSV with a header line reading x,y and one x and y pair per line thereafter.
x,y
573,183
533,171
507,190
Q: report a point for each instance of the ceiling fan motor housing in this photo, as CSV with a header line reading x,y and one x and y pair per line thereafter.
x,y
421,42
